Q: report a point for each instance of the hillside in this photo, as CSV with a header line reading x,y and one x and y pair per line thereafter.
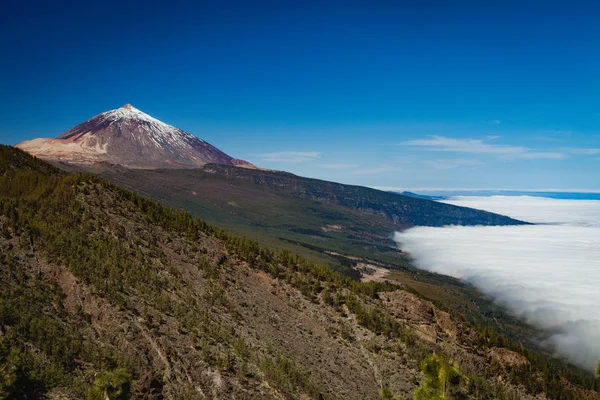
x,y
324,222
104,293
402,211
283,210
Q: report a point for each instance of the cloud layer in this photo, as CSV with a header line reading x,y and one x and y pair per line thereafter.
x,y
547,274
539,210
479,146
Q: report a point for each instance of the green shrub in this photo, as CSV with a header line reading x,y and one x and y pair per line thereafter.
x,y
111,385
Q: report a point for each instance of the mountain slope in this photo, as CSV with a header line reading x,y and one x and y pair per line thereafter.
x,y
102,287
128,137
314,217
403,211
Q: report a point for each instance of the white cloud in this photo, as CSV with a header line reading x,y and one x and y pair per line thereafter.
x,y
539,156
476,146
290,156
479,146
588,151
495,122
547,274
540,210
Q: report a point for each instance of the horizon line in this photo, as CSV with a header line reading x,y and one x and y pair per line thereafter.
x,y
544,190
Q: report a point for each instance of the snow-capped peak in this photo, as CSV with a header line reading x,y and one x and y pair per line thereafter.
x,y
132,138
155,131
129,112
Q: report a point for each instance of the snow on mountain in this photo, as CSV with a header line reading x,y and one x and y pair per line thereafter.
x,y
129,137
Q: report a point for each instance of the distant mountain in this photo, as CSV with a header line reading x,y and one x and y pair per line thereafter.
x,y
131,138
421,196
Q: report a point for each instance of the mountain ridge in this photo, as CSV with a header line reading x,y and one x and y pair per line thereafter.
x,y
361,197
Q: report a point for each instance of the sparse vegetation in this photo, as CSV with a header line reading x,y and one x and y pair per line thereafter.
x,y
387,394
283,373
104,293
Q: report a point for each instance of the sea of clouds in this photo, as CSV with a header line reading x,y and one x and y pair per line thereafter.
x,y
548,274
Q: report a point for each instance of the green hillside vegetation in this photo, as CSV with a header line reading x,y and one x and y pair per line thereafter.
x,y
311,216
107,294
328,223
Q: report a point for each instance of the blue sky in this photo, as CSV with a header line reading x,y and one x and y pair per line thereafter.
x,y
415,94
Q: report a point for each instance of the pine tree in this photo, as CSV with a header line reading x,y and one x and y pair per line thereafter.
x,y
112,385
442,376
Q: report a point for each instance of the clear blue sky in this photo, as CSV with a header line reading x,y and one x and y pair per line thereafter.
x,y
405,94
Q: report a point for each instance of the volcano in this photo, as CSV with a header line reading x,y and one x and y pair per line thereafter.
x,y
129,137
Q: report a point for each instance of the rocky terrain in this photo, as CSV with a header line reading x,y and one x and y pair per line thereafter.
x,y
106,294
